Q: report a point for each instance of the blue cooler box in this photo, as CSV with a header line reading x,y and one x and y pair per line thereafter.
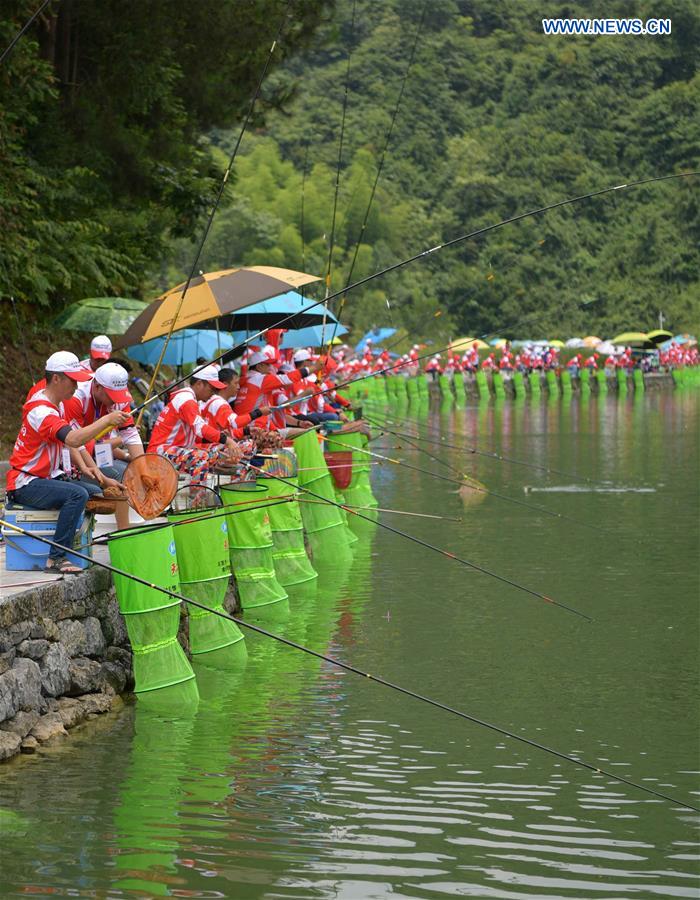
x,y
25,554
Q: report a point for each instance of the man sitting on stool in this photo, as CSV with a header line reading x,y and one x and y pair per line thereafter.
x,y
36,475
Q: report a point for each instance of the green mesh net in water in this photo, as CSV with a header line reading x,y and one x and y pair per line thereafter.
x,y
292,565
152,617
201,539
251,546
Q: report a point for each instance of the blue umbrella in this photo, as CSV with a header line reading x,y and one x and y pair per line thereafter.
x,y
313,336
269,313
185,346
377,336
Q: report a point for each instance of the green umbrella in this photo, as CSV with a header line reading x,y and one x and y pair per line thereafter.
x,y
101,315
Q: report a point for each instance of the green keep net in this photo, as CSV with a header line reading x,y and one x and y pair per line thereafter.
x,y
251,545
292,565
201,539
152,617
324,522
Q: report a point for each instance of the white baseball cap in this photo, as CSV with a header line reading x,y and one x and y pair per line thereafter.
x,y
101,347
301,356
256,358
209,373
67,363
115,380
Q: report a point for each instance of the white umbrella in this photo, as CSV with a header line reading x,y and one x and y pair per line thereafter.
x,y
606,347
575,343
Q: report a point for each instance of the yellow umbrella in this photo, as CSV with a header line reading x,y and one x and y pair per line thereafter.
x,y
633,338
466,343
591,341
212,295
557,343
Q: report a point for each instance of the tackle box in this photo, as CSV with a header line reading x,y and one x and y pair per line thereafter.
x,y
26,554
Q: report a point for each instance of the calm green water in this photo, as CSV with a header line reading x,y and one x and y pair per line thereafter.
x,y
295,780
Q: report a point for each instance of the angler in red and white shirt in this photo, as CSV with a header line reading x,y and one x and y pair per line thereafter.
x,y
106,391
260,382
35,477
181,425
217,410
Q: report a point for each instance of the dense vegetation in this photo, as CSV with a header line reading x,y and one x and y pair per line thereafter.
x,y
105,110
114,123
495,119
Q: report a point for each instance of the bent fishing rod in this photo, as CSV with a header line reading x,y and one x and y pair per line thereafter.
x,y
424,254
446,553
215,207
437,704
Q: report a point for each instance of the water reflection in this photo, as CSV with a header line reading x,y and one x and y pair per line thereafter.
x,y
293,779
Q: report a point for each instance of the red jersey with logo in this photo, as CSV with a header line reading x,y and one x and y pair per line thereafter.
x,y
37,450
82,409
181,423
256,389
217,412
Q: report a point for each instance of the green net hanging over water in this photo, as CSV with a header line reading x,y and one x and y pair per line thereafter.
x,y
323,522
251,545
292,564
152,617
201,539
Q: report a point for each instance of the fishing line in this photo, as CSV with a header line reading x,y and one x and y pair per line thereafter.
x,y
331,242
355,671
486,453
416,540
226,510
400,364
6,52
467,481
217,200
379,169
415,258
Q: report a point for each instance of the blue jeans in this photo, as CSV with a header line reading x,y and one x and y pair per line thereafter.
x,y
69,497
318,418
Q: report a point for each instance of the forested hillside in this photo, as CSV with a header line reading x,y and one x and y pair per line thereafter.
x,y
495,119
117,117
105,112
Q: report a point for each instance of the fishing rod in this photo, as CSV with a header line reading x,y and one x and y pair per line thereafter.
x,y
488,454
215,207
399,512
379,167
6,52
422,543
402,364
504,732
331,242
420,256
217,512
468,482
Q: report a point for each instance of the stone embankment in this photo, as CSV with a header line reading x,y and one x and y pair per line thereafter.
x,y
64,658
